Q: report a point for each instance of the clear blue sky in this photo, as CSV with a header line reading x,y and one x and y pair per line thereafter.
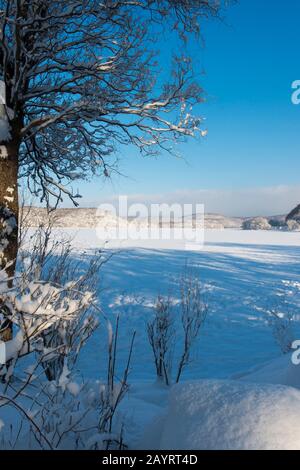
x,y
249,63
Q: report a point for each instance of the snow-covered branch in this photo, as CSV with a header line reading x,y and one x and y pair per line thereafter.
x,y
84,77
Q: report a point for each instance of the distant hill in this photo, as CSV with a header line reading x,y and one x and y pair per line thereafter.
x,y
92,218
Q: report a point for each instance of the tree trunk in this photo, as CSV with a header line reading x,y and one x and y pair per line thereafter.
x,y
9,209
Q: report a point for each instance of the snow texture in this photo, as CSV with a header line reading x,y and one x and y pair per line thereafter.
x,y
222,415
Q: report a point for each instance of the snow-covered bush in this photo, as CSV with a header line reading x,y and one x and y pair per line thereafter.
x,y
194,310
40,310
282,328
257,223
52,305
281,313
51,263
66,413
52,301
161,337
162,329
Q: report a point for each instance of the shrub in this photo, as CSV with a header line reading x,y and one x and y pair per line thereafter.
x,y
162,332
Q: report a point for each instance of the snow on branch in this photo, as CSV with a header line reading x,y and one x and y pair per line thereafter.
x,y
82,78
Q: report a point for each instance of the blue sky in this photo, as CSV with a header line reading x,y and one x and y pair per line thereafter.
x,y
253,145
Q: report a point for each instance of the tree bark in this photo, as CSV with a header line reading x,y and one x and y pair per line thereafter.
x,y
9,216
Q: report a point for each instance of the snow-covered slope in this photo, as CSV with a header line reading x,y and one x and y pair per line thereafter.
x,y
223,415
279,371
92,218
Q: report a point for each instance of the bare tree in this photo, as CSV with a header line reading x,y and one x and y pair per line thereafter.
x,y
80,78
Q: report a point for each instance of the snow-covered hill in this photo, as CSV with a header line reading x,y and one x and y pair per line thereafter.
x,y
92,218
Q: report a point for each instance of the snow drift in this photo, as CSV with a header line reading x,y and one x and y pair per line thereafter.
x,y
222,415
279,371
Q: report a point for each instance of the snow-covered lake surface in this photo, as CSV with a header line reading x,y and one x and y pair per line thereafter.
x,y
243,272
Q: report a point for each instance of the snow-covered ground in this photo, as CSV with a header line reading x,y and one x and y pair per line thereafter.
x,y
227,415
239,391
241,271
244,273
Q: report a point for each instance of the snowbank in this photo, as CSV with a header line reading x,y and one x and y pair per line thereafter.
x,y
217,415
279,371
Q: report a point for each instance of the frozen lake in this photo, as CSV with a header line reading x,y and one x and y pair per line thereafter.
x,y
244,274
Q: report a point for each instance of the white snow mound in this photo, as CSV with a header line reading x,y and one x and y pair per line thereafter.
x,y
279,371
222,415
